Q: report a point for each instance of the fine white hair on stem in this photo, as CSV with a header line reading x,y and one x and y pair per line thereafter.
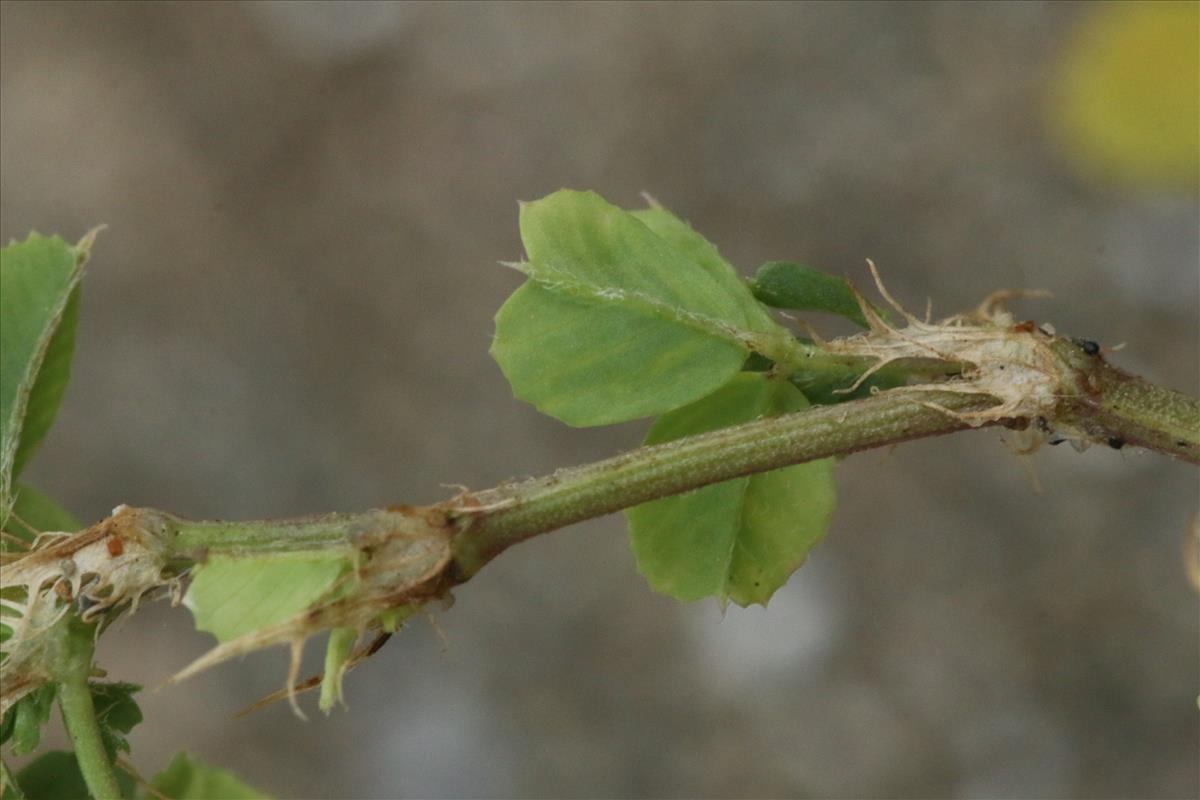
x,y
992,355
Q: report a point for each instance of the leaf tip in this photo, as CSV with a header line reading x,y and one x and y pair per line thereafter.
x,y
83,250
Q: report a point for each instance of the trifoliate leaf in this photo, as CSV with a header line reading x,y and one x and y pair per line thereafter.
x,y
740,539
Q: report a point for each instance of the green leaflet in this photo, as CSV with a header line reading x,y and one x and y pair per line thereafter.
x,y
188,778
38,305
117,712
590,365
617,321
232,596
50,385
56,776
24,721
740,539
702,252
783,284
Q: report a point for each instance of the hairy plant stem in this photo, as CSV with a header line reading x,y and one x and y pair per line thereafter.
x,y
571,495
302,533
487,522
1110,406
1125,409
578,493
79,712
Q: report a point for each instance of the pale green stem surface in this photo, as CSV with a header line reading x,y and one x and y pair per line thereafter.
x,y
1116,406
302,533
1133,411
79,713
579,493
488,522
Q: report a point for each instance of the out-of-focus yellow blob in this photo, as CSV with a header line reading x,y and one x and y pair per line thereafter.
x,y
1126,100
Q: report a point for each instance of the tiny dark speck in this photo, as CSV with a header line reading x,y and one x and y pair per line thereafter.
x,y
1181,443
1115,443
1089,347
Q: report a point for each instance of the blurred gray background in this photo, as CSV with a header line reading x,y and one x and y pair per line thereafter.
x,y
291,308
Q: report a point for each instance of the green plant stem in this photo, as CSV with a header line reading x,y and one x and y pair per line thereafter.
x,y
79,712
1110,405
572,495
303,533
1125,409
487,522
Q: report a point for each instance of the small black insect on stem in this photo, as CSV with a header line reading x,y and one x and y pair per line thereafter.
x,y
1088,346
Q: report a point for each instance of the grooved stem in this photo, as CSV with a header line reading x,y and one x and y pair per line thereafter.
x,y
510,514
1128,409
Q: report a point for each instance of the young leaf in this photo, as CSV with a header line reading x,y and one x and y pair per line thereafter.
x,y
616,322
24,721
34,513
38,279
187,778
117,712
232,596
578,243
591,365
56,776
740,539
782,284
704,254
